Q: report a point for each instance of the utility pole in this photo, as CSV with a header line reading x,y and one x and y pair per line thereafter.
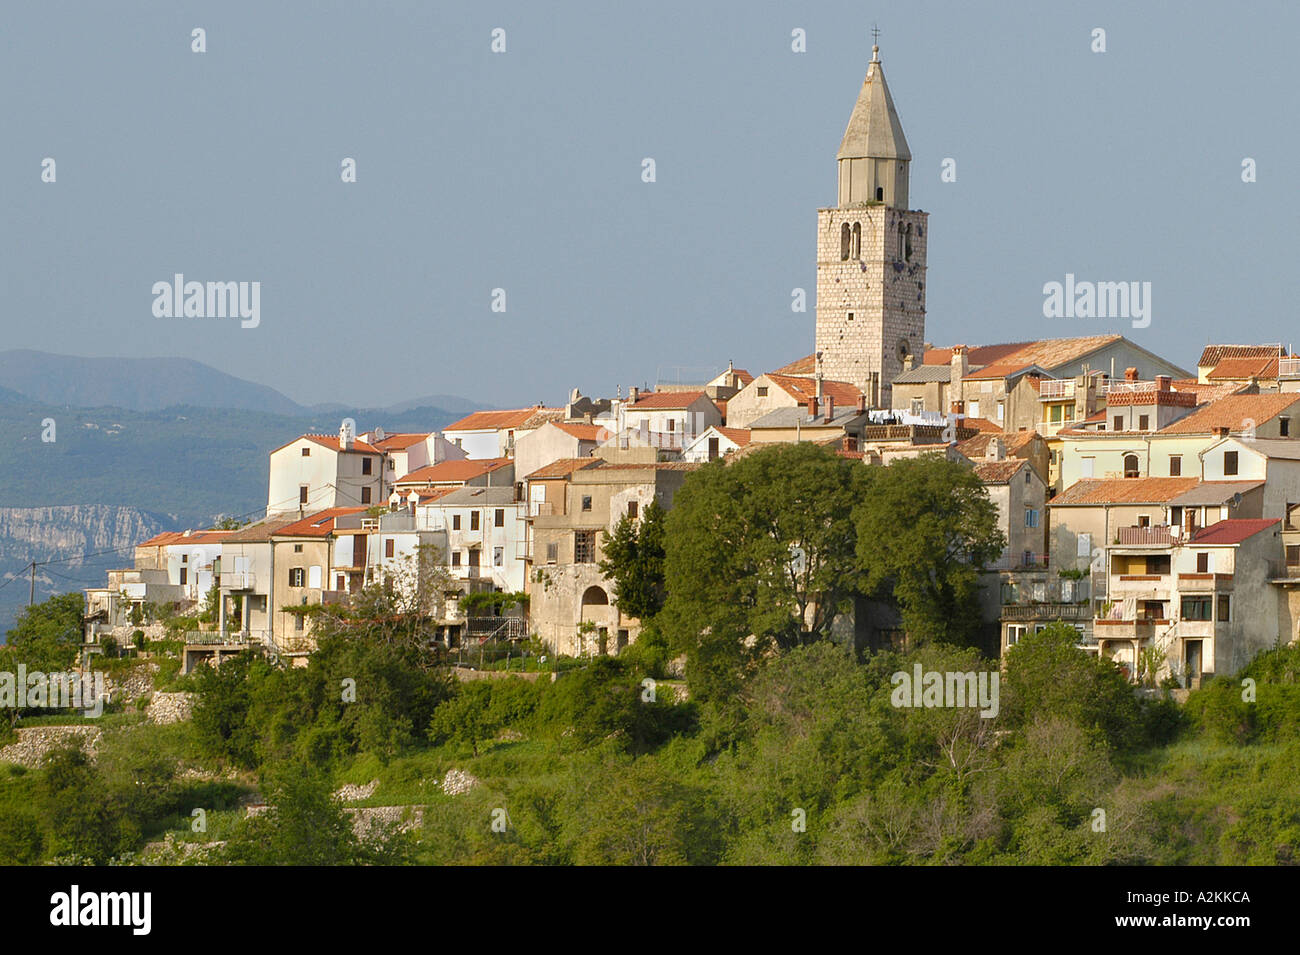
x,y
31,590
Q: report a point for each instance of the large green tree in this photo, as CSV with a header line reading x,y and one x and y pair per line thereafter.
x,y
634,560
760,557
925,530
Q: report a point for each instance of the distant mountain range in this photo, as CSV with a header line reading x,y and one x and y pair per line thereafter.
x,y
151,384
143,445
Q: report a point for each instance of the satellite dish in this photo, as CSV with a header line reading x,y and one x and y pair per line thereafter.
x,y
379,434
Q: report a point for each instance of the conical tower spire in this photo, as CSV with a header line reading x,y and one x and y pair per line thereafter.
x,y
873,157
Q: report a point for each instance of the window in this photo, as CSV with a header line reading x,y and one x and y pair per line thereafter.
x,y
1130,465
584,547
713,449
857,240
185,572
974,409
762,391
1031,517
1284,427
473,520
1196,608
552,553
918,405
392,465
457,442
455,522
306,452
1175,465
672,424
1084,548
1027,475
302,493
365,495
389,546
1225,608
586,502
1086,467
632,509
1001,410
297,577
1118,421
1229,462
1143,421
1202,563
340,582
1014,632
498,556
850,316
297,548
367,465
499,517
1144,520
455,558
846,241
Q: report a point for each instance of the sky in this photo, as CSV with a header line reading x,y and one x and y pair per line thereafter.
x,y
522,171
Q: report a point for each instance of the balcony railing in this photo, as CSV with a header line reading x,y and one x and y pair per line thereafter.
x,y
1288,368
1047,611
1283,569
1126,387
1055,390
238,580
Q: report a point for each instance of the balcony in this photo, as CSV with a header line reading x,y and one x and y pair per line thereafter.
x,y
238,580
1056,390
1047,611
1125,387
1122,585
1284,569
1288,368
1140,629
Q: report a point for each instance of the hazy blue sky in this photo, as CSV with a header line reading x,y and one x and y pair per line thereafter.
x,y
522,171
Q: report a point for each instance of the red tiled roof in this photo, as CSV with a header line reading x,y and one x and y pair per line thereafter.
x,y
742,376
427,495
666,400
738,436
1213,354
1232,531
801,389
1003,369
181,537
1151,490
497,420
400,442
1242,368
331,441
320,524
1048,353
562,468
1012,441
800,366
999,472
980,424
583,432
1233,413
447,472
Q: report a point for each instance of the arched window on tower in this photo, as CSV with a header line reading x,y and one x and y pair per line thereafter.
x,y
907,243
902,242
880,193
857,240
845,241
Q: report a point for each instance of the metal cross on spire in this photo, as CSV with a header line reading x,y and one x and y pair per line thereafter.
x,y
875,43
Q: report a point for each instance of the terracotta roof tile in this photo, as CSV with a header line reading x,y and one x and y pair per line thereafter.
x,y
1232,531
666,400
999,472
445,472
320,524
1151,490
562,468
498,420
1232,413
1213,354
800,366
1242,368
401,441
582,431
801,389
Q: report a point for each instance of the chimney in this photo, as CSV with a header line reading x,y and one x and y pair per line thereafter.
x,y
1130,374
960,366
909,362
1163,382
586,417
1221,432
346,436
957,408
830,409
996,450
633,392
812,406
862,404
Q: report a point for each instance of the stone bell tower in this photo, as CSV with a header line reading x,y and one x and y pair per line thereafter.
x,y
871,252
